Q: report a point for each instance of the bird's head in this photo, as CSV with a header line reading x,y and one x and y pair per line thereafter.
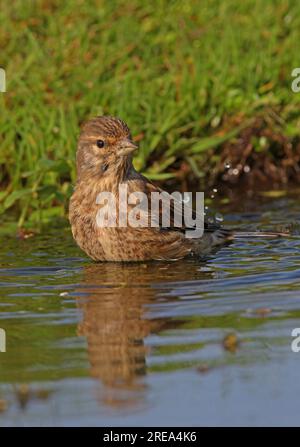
x,y
105,146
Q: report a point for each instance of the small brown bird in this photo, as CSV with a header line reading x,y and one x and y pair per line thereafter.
x,y
104,161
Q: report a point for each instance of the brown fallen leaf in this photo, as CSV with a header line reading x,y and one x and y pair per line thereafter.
x,y
24,234
230,342
263,312
23,394
204,368
3,405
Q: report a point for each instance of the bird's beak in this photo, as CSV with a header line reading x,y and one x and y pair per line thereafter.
x,y
126,146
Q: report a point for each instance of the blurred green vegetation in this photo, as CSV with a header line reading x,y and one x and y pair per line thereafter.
x,y
182,74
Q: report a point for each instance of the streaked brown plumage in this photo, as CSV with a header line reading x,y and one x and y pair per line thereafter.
x,y
103,169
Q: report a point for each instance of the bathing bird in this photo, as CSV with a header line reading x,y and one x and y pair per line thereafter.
x,y
104,162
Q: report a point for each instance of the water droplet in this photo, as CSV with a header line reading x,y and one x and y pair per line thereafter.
x,y
215,190
219,217
206,207
212,196
235,171
247,169
227,165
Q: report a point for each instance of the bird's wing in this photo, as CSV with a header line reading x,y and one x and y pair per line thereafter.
x,y
142,184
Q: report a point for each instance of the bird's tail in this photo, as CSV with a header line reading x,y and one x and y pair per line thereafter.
x,y
223,235
212,240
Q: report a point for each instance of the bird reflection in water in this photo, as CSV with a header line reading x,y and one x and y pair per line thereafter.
x,y
115,300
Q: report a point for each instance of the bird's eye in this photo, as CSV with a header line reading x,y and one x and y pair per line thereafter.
x,y
100,143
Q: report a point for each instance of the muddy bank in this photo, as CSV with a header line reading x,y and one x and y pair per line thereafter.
x,y
260,157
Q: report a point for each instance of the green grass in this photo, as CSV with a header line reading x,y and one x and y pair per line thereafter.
x,y
178,72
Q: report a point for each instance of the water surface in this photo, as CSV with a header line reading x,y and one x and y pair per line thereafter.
x,y
143,344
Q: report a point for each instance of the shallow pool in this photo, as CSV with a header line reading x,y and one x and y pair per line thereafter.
x,y
145,344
